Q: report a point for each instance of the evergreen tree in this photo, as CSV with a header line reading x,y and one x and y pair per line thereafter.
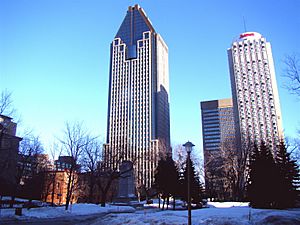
x,y
288,178
195,185
167,178
172,179
263,179
160,177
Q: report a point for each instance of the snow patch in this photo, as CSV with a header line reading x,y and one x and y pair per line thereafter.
x,y
74,210
231,213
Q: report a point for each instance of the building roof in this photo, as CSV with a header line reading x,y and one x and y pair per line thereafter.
x,y
249,36
137,22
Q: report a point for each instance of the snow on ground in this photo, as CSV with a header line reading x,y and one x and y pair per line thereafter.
x,y
230,213
220,213
74,210
226,204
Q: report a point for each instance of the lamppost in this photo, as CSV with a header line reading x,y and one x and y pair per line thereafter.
x,y
188,147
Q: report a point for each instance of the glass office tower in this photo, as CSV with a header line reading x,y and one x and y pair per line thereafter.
x,y
218,132
138,124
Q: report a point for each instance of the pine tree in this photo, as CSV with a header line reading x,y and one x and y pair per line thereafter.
x,y
288,178
195,185
167,178
160,177
172,179
262,178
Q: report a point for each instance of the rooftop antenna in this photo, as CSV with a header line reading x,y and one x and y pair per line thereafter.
x,y
245,28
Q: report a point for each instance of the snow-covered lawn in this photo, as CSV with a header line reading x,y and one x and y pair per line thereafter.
x,y
74,210
217,213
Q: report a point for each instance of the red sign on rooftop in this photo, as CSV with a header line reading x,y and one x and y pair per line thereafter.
x,y
246,35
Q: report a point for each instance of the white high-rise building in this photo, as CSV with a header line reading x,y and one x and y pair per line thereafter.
x,y
138,125
254,91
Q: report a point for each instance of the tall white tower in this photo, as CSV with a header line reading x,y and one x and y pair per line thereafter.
x,y
138,124
254,90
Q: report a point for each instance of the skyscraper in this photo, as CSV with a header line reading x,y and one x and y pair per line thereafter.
x,y
138,124
218,132
254,91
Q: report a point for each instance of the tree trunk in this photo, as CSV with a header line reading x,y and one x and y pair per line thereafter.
x,y
168,202
158,201
69,189
173,203
52,194
103,200
91,188
104,192
11,204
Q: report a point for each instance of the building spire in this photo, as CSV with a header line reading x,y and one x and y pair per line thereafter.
x,y
245,28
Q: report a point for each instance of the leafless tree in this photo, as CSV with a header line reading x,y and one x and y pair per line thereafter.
x,y
51,173
163,150
30,148
227,170
214,174
6,109
6,104
292,72
293,147
91,158
180,155
242,164
27,161
107,174
74,140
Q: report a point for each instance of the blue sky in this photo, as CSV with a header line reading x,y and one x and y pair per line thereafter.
x,y
54,57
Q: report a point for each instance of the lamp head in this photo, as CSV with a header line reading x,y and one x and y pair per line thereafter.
x,y
188,146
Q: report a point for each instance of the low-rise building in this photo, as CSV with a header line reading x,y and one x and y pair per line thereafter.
x,y
9,147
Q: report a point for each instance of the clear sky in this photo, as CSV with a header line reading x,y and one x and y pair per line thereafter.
x,y
54,57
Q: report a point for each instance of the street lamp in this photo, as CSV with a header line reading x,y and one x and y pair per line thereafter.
x,y
188,147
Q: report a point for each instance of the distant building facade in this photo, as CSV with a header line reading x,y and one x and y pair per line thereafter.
x,y
219,142
65,163
9,148
254,91
55,187
138,125
56,181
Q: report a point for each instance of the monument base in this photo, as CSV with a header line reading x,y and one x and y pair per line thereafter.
x,y
127,201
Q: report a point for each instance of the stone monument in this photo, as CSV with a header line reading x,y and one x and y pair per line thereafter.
x,y
126,189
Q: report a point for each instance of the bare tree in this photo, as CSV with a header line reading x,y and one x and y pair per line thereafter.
x,y
6,103
27,161
292,72
215,174
51,174
6,109
73,143
227,171
179,156
29,150
108,174
293,147
90,161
